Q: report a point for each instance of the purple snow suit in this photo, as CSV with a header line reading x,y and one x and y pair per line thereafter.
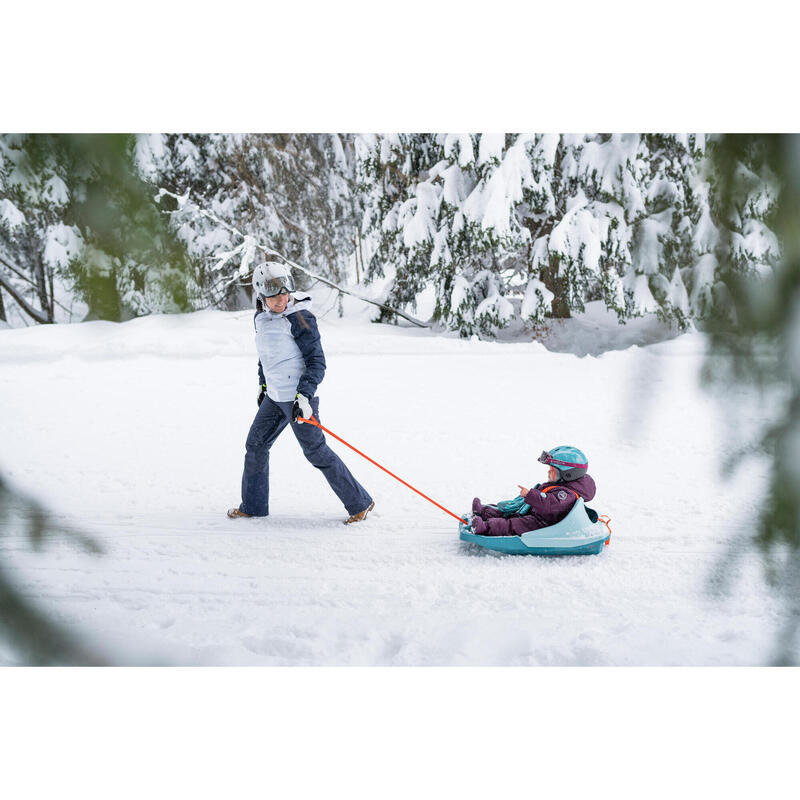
x,y
546,509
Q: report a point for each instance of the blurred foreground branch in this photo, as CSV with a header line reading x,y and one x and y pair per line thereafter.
x,y
758,333
27,630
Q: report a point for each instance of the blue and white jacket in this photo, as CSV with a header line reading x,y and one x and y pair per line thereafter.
x,y
290,357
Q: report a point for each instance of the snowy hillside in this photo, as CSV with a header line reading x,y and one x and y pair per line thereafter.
x,y
135,433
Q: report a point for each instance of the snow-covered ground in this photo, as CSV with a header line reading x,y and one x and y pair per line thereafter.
x,y
135,434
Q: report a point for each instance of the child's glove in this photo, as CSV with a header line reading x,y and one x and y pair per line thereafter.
x,y
515,506
301,408
262,392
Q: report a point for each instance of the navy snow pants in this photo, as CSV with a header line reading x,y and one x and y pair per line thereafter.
x,y
270,420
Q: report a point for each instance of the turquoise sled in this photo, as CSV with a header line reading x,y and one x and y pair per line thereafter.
x,y
580,533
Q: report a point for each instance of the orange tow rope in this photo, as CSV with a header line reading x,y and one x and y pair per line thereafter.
x,y
312,421
605,520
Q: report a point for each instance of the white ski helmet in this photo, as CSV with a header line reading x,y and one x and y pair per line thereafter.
x,y
271,278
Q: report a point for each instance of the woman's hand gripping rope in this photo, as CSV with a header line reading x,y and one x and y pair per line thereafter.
x,y
301,410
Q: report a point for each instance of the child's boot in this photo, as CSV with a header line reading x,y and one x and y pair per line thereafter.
x,y
479,527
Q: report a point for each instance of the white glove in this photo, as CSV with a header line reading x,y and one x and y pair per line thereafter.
x,y
301,408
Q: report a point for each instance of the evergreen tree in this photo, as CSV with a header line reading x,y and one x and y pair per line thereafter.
x,y
290,192
506,229
756,296
625,233
37,243
388,173
738,234
440,209
73,208
26,631
477,232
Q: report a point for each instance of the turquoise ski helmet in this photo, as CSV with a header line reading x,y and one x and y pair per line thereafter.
x,y
570,462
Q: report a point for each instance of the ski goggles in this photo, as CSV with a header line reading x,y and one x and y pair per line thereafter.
x,y
546,458
276,286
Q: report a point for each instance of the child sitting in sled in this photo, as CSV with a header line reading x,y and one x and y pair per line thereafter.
x,y
544,504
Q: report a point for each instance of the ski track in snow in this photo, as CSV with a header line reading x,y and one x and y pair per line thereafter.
x,y
134,434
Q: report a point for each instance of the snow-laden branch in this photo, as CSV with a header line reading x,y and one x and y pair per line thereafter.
x,y
19,273
28,309
248,242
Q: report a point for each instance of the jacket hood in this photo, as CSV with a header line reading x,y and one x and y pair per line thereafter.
x,y
584,486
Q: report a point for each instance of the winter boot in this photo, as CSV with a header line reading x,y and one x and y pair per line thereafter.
x,y
233,513
479,526
477,506
362,515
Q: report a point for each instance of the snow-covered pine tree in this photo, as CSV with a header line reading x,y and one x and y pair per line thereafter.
x,y
77,221
477,232
441,210
36,242
500,187
627,233
401,211
502,228
193,163
665,246
480,224
290,192
737,231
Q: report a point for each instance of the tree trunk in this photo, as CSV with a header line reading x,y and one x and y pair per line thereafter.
x,y
40,278
559,286
2,308
102,297
52,289
39,316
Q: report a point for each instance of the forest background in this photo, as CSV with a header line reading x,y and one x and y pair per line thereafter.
x,y
477,233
